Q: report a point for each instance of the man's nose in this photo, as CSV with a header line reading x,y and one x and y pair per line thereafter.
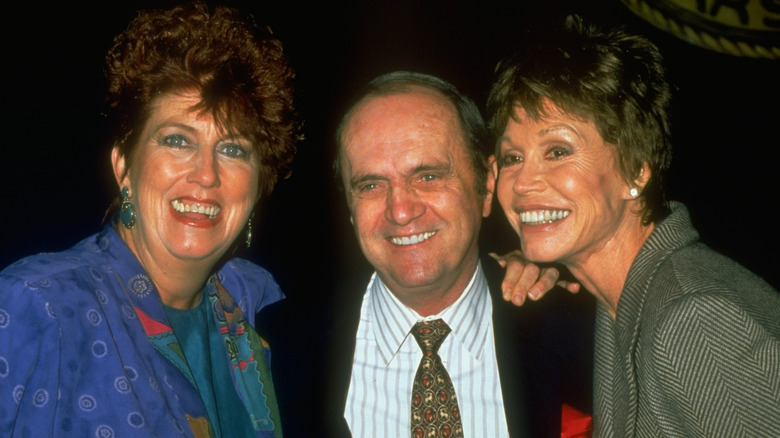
x,y
403,206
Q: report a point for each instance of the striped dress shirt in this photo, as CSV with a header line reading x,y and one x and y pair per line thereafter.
x,y
387,356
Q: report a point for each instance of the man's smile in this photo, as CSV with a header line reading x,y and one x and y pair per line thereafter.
x,y
411,240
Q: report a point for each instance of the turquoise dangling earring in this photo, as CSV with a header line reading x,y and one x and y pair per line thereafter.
x,y
126,213
249,230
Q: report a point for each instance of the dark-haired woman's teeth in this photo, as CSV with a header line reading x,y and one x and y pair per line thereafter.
x,y
539,217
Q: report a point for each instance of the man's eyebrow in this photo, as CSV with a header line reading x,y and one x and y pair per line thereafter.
x,y
359,179
442,166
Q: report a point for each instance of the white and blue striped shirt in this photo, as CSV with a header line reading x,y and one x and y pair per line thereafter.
x,y
386,360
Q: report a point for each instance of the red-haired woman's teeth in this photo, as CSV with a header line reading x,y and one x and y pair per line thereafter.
x,y
211,211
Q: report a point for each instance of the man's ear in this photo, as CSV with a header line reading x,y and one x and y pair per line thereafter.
x,y
119,165
490,185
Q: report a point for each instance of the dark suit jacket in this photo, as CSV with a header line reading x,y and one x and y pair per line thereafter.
x,y
544,351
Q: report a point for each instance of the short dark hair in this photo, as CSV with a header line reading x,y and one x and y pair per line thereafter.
x,y
475,131
238,68
612,77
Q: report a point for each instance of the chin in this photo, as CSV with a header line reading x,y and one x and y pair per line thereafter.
x,y
414,278
197,252
541,255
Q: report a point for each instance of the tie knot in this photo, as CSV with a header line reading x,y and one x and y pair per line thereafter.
x,y
430,334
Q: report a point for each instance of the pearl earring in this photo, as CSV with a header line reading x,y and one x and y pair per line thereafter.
x,y
633,192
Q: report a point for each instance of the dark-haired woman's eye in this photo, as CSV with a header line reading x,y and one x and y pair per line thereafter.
x,y
175,141
559,152
510,159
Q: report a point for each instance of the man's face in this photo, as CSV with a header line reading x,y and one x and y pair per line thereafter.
x,y
412,193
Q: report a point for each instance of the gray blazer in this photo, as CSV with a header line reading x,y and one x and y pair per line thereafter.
x,y
695,348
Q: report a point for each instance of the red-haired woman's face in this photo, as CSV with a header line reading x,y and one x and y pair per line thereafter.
x,y
193,185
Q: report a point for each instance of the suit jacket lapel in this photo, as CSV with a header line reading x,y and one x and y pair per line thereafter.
x,y
340,343
313,359
511,353
544,353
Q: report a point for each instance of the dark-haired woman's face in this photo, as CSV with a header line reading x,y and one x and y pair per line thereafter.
x,y
559,186
193,185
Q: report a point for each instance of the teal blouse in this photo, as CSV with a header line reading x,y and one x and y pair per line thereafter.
x,y
204,350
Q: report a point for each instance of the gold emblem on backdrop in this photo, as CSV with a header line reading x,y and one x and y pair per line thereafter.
x,y
737,27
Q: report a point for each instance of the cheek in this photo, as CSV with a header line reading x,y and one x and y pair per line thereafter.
x,y
573,186
591,192
463,211
504,191
243,184
365,213
154,173
578,183
506,179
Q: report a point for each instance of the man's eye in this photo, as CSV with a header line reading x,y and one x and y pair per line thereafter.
x,y
429,178
368,187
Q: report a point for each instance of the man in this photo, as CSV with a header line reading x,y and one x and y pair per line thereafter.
x,y
413,159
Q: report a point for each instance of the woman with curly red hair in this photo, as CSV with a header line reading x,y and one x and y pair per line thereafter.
x,y
140,330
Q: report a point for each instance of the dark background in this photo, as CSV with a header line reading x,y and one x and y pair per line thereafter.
x,y
55,178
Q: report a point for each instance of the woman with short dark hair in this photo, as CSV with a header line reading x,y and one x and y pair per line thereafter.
x,y
687,341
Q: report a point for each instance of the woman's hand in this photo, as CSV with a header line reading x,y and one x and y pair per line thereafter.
x,y
524,279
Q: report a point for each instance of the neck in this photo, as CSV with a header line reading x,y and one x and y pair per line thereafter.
x,y
604,271
431,304
431,299
179,282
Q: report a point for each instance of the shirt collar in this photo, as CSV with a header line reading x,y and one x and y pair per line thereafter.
x,y
469,317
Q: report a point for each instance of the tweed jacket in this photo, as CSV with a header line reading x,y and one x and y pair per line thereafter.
x,y
544,351
694,350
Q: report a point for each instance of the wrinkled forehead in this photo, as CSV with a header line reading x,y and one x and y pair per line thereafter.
x,y
418,114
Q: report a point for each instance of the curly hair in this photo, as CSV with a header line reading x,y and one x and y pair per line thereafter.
x,y
612,77
238,68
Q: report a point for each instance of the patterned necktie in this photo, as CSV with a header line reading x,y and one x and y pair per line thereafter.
x,y
434,404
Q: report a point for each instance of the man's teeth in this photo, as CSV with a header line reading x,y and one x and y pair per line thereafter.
x,y
211,211
539,217
411,240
